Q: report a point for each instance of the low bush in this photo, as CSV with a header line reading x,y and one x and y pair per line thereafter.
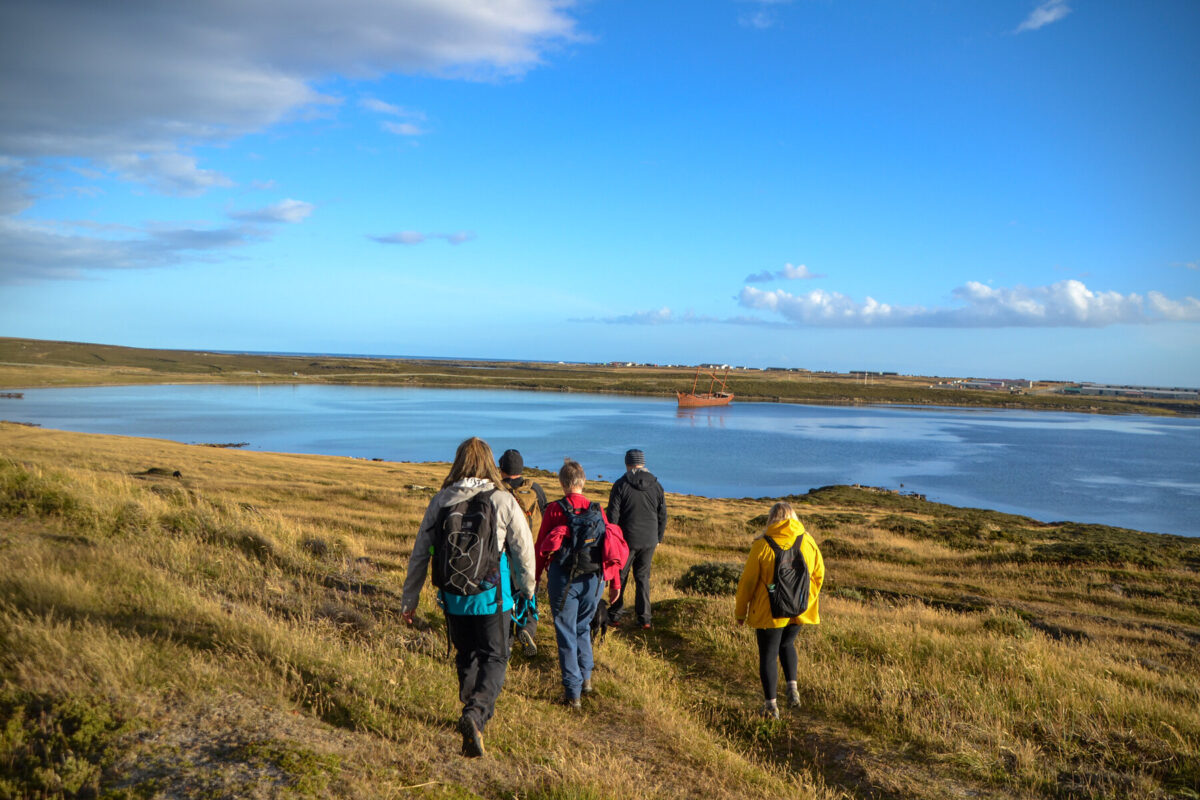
x,y
54,747
1008,625
711,578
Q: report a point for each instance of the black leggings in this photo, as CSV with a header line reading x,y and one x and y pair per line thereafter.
x,y
776,644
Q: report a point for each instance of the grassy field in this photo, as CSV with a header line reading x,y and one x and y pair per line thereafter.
x,y
233,631
28,363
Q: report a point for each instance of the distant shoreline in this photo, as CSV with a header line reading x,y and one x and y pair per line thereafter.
x,y
37,364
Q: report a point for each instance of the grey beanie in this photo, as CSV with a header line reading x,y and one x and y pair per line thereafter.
x,y
511,462
635,458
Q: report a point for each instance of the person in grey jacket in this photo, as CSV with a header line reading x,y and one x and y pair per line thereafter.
x,y
637,504
476,624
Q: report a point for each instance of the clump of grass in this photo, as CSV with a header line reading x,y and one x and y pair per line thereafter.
x,y
710,578
906,526
54,746
1008,625
30,492
308,772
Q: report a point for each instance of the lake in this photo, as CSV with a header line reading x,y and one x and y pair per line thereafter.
x,y
1133,471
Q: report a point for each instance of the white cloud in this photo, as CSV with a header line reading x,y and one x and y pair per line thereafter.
x,y
1064,304
388,109
110,80
1048,12
403,128
790,272
1185,310
15,194
799,273
416,237
284,211
759,20
134,88
169,173
762,17
657,316
31,251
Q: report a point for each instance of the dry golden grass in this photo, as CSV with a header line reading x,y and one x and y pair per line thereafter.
x,y
234,632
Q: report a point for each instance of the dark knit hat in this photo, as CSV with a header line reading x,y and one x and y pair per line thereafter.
x,y
511,463
635,458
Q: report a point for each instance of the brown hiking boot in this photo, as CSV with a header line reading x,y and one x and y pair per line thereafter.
x,y
472,744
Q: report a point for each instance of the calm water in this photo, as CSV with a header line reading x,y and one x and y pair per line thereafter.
x,y
1139,472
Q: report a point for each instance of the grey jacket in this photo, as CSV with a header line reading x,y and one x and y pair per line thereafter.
x,y
512,532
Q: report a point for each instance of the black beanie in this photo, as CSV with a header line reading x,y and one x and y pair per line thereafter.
x,y
511,463
635,458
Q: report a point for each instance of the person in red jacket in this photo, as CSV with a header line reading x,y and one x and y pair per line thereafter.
x,y
575,584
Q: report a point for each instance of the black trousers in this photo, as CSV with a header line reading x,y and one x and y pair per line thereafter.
x,y
776,644
481,643
639,565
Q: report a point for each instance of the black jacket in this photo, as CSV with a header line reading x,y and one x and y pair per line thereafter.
x,y
637,504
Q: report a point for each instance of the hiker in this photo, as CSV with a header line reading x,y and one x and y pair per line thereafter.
x,y
581,552
637,504
481,550
532,499
777,602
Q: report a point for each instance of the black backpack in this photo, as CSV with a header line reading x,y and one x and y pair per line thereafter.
x,y
466,553
582,550
788,589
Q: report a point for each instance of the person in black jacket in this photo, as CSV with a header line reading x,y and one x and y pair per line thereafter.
x,y
637,504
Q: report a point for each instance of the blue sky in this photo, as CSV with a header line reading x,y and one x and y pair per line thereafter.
x,y
1006,189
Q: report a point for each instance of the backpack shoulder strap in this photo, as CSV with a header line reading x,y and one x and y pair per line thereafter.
x,y
776,549
567,508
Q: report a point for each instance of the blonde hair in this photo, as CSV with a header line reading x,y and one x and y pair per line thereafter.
x,y
779,512
473,459
571,475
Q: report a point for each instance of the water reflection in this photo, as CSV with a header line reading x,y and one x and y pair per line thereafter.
x,y
704,417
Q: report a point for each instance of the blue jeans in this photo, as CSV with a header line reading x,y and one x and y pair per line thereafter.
x,y
574,606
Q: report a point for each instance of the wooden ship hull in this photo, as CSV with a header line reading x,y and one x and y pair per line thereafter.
x,y
689,400
715,396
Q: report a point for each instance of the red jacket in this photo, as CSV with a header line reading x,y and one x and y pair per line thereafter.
x,y
554,528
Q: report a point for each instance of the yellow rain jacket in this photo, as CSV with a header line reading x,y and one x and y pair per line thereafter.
x,y
760,568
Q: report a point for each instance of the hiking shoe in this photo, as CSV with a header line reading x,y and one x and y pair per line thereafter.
x,y
528,646
770,710
472,746
587,687
794,697
570,701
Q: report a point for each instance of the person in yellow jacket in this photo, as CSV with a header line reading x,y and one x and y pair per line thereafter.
x,y
776,637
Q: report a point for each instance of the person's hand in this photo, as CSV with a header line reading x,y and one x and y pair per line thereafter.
x,y
407,616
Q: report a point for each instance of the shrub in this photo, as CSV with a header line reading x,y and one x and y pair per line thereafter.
x,y
24,492
710,578
1008,625
906,526
53,746
757,523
